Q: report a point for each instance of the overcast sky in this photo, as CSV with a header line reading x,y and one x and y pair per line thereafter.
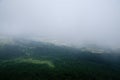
x,y
73,21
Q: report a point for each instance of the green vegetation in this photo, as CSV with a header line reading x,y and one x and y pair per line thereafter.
x,y
41,61
30,60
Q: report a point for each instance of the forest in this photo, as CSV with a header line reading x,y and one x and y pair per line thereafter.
x,y
32,60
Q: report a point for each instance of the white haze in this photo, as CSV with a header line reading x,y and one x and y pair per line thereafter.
x,y
70,21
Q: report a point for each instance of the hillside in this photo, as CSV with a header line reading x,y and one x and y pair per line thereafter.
x,y
22,59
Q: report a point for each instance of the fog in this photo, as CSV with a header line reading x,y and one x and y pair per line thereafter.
x,y
70,21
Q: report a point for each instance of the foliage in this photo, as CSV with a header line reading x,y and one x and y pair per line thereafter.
x,y
39,61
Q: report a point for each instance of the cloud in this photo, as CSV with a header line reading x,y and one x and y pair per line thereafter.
x,y
73,21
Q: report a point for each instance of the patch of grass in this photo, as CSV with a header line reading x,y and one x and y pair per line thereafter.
x,y
32,61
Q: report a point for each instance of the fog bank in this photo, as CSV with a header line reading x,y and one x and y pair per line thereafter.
x,y
70,21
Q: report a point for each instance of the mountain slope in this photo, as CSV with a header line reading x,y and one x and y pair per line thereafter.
x,y
22,59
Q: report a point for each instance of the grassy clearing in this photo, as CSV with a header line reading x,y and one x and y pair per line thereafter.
x,y
32,61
